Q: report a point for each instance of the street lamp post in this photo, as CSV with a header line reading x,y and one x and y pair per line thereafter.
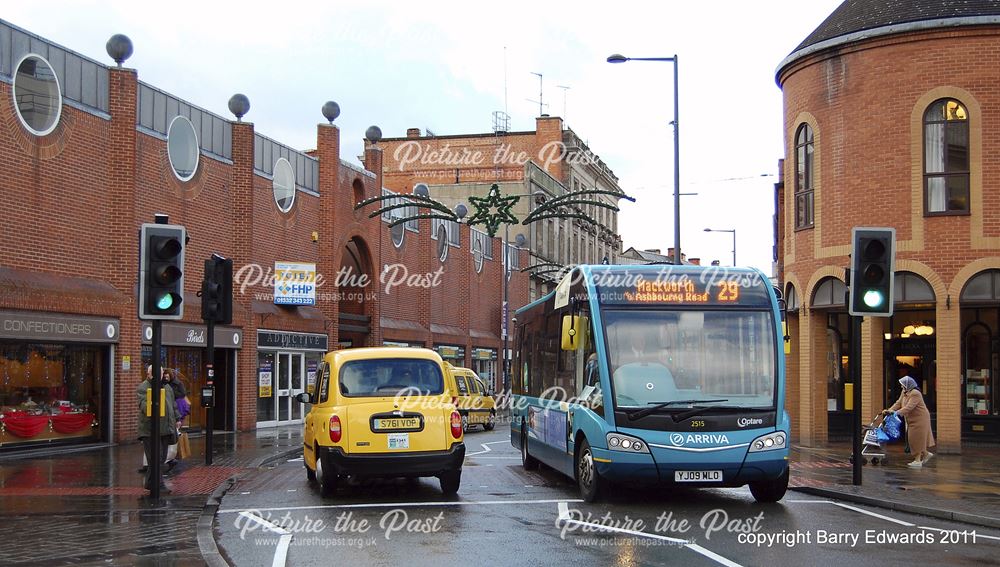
x,y
618,58
732,230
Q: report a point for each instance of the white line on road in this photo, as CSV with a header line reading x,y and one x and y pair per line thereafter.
x,y
565,517
485,447
873,514
977,536
400,505
295,460
285,537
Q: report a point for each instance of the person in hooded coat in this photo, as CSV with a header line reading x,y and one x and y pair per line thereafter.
x,y
911,407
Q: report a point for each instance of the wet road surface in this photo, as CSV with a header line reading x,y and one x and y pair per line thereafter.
x,y
504,515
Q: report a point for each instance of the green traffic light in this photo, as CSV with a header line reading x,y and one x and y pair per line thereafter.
x,y
165,302
873,298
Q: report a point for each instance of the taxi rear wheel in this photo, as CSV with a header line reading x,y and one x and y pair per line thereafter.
x,y
450,482
492,422
310,474
465,423
327,478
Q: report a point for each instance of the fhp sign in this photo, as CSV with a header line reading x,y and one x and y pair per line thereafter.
x,y
294,283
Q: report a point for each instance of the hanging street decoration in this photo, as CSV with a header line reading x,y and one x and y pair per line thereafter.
x,y
439,210
494,210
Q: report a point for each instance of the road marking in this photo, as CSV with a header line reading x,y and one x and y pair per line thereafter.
x,y
295,460
511,458
399,505
486,448
565,517
807,501
873,514
977,536
292,489
284,537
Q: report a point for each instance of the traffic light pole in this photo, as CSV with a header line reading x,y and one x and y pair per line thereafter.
x,y
210,411
855,360
157,385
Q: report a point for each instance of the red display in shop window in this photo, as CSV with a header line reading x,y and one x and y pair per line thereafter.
x,y
23,425
72,422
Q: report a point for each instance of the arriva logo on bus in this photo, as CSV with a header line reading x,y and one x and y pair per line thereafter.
x,y
711,438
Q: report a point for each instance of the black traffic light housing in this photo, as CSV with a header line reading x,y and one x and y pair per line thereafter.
x,y
217,291
161,272
873,263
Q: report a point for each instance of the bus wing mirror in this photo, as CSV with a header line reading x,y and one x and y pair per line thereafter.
x,y
571,332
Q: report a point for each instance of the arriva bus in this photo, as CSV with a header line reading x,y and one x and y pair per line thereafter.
x,y
654,374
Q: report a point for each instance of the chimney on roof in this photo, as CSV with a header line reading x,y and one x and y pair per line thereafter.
x,y
413,132
653,250
695,261
670,252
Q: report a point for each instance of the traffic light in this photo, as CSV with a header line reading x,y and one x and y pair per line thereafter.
x,y
217,290
161,272
873,262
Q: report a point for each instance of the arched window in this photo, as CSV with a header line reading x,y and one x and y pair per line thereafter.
x,y
804,177
829,293
946,158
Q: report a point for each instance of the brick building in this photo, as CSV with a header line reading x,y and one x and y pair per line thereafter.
x,y
546,162
88,153
886,121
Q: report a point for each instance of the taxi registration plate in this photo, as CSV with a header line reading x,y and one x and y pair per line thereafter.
x,y
396,423
697,476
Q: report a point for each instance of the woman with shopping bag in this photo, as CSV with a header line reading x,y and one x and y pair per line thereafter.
x,y
910,406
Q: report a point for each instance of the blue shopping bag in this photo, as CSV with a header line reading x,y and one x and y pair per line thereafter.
x,y
892,427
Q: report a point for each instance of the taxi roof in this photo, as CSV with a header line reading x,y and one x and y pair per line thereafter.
x,y
368,353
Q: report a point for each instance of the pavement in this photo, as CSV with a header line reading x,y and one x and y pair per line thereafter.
x,y
87,506
964,488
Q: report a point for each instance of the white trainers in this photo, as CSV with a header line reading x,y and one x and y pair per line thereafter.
x,y
928,457
916,464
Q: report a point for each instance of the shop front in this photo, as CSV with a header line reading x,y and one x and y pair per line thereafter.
x,y
453,354
184,352
56,378
484,364
286,366
980,304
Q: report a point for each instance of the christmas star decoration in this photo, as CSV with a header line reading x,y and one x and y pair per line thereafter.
x,y
493,210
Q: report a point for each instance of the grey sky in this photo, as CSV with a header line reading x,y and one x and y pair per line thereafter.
x,y
441,65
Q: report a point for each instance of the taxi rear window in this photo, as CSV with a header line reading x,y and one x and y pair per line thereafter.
x,y
463,388
390,377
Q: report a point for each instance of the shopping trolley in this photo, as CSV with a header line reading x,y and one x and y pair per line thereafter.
x,y
882,429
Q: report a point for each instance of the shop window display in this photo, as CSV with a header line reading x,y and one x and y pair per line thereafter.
x,y
50,392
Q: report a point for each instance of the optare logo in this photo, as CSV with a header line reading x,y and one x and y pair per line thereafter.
x,y
745,421
677,438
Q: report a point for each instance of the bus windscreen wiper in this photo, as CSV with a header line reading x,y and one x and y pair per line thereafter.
x,y
641,413
679,417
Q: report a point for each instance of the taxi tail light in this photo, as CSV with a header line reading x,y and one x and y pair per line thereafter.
x,y
335,430
456,425
454,401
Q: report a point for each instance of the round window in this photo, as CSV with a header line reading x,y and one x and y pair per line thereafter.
x,y
284,185
442,237
398,232
182,148
477,255
37,97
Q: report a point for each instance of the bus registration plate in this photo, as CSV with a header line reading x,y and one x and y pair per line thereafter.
x,y
697,476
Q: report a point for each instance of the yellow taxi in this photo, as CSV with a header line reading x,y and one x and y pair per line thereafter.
x,y
472,397
382,412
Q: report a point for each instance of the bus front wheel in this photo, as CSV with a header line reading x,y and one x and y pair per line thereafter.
x,y
770,490
591,483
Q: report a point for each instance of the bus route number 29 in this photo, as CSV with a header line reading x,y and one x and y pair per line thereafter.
x,y
729,292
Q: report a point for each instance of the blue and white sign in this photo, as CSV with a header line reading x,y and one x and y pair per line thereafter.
x,y
294,283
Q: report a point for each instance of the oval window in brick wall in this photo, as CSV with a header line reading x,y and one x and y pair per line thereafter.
x,y
37,96
182,148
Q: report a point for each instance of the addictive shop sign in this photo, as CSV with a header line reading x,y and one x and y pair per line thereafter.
x,y
294,283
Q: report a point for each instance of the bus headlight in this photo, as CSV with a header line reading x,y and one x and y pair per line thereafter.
x,y
768,442
626,443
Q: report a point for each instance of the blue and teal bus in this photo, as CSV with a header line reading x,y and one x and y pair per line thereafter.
x,y
654,375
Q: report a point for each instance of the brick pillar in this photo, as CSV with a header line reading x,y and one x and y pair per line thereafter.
x,y
949,378
812,378
328,152
548,142
872,366
373,163
124,250
427,262
792,370
243,227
